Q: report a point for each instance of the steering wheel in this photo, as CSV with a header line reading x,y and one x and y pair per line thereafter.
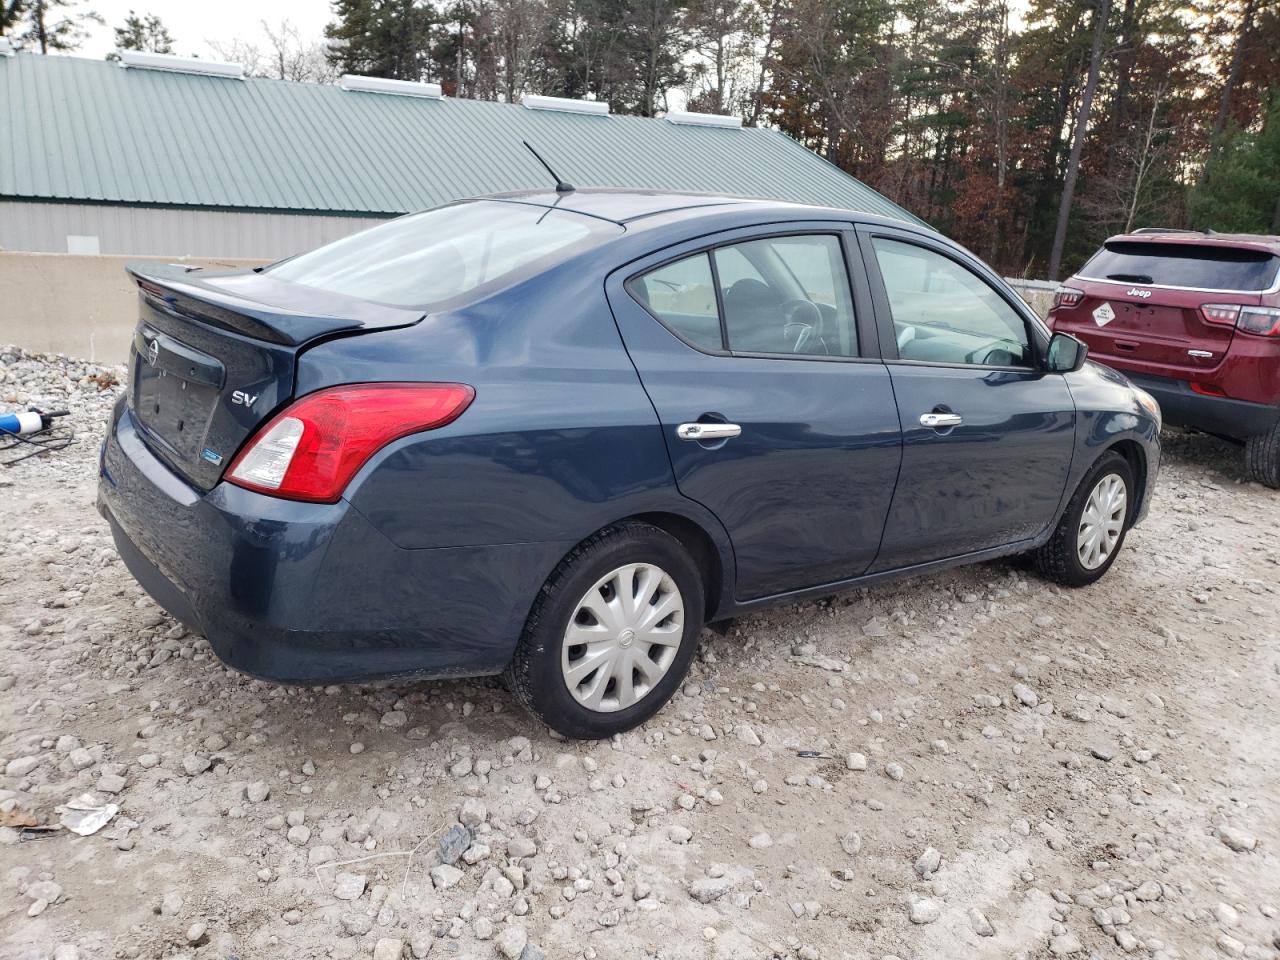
x,y
802,324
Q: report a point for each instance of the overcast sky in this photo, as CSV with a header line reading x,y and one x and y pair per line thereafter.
x,y
193,24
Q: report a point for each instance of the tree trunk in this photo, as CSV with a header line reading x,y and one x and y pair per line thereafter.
x,y
1124,75
1229,85
1077,142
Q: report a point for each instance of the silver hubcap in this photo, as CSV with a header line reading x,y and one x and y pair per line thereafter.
x,y
623,637
1102,521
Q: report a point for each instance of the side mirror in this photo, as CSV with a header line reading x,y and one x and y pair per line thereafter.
x,y
1066,354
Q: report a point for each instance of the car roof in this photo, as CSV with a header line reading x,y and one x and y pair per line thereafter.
x,y
626,206
1246,241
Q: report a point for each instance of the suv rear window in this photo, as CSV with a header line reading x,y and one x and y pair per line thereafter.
x,y
439,257
1182,265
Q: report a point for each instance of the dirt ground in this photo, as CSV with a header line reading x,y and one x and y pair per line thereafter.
x,y
975,764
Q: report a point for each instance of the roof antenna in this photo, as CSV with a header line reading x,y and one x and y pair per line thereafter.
x,y
561,186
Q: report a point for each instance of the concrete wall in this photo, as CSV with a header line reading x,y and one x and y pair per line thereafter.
x,y
1037,293
86,228
82,306
86,306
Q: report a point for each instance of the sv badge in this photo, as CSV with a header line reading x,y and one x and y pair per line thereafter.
x,y
243,398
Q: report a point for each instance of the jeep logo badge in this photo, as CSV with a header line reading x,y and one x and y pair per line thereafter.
x,y
1135,292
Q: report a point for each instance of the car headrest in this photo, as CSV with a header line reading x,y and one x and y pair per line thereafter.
x,y
749,292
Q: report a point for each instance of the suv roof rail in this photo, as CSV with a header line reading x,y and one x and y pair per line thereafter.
x,y
1142,230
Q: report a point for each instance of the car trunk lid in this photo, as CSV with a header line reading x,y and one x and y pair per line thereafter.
x,y
214,355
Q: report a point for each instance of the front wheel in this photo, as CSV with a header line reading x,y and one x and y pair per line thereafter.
x,y
611,634
1092,529
1262,457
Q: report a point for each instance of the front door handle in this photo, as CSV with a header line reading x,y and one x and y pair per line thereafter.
x,y
707,431
940,421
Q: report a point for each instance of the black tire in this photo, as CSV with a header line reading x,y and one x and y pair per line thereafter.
x,y
1059,560
1262,457
535,674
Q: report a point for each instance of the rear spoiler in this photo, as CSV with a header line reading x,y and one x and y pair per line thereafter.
x,y
257,305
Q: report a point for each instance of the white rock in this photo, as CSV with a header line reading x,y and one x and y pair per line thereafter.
x,y
512,941
20,766
927,863
349,886
444,876
1237,840
924,911
981,925
855,761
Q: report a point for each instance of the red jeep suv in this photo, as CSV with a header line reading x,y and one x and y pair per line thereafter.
x,y
1194,319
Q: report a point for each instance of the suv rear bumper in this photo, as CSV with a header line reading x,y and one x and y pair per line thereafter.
x,y
311,593
1222,416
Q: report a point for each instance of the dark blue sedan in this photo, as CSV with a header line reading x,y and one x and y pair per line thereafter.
x,y
554,434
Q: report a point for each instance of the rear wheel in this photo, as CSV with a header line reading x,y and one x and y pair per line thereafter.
x,y
1262,457
611,634
1092,529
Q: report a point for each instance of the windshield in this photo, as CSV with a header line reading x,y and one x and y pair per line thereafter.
x,y
1182,265
440,256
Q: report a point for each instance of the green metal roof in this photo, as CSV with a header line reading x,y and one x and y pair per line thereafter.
x,y
91,131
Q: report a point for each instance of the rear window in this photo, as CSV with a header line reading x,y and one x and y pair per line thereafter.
x,y
1182,265
463,251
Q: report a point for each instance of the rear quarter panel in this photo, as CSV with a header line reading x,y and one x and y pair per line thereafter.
x,y
560,441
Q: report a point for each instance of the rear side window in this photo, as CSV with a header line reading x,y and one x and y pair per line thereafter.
x,y
448,255
1182,265
781,296
683,296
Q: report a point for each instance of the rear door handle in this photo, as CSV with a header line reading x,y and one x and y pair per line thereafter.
x,y
708,431
940,421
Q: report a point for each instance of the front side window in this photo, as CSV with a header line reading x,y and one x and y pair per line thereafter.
x,y
944,313
445,255
780,296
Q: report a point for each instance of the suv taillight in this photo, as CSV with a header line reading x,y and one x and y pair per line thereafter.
x,y
1222,314
312,448
1067,297
1260,321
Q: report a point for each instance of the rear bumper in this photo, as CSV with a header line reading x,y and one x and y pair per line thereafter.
x,y
311,593
1222,416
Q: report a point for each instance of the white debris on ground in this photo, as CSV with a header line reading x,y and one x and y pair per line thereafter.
x,y
974,764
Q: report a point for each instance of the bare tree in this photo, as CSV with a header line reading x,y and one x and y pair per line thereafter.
x,y
283,56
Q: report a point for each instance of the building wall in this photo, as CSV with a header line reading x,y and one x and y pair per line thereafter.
x,y
157,231
83,306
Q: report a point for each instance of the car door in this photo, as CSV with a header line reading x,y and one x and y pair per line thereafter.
x,y
761,362
987,435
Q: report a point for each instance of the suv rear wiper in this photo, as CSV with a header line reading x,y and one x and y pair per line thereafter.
x,y
1130,277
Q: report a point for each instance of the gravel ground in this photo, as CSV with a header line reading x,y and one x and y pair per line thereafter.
x,y
976,764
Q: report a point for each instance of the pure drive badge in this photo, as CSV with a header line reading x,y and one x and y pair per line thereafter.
x,y
1104,315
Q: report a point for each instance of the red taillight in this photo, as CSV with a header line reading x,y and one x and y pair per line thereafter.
x,y
1067,297
1222,314
312,448
1261,321
1207,390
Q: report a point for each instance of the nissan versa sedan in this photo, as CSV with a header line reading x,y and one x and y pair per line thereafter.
x,y
552,435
